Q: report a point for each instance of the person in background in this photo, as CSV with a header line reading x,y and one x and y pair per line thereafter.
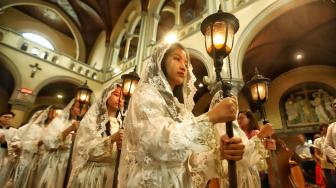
x,y
303,150
330,146
318,170
6,119
57,139
9,152
98,137
249,124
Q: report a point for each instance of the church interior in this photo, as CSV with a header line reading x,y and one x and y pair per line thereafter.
x,y
48,48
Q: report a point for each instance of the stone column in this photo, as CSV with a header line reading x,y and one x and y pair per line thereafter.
x,y
155,21
177,12
115,53
20,106
142,41
127,46
107,60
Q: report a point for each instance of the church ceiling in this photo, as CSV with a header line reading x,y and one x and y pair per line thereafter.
x,y
300,37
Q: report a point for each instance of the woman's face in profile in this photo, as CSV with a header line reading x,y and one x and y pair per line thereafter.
x,y
176,66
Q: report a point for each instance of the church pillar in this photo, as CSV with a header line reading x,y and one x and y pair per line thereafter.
x,y
177,12
21,104
127,46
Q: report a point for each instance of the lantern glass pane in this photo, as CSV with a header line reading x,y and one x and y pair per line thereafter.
x,y
133,87
259,91
126,86
219,34
219,30
208,43
230,38
83,96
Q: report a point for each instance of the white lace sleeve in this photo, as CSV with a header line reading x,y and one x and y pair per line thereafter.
x,y
53,138
93,147
329,143
151,126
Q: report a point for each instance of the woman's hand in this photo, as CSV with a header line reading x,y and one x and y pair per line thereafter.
x,y
231,149
270,144
17,148
118,136
265,131
2,138
75,125
224,111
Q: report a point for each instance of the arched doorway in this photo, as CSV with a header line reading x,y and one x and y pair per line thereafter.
x,y
7,85
58,93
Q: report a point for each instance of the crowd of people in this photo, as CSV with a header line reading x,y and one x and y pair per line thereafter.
x,y
162,143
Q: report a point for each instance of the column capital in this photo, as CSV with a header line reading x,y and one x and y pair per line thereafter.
x,y
156,16
214,86
144,13
116,46
178,1
19,104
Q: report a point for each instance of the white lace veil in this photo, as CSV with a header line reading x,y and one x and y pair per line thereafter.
x,y
42,117
61,122
97,115
91,127
154,76
154,79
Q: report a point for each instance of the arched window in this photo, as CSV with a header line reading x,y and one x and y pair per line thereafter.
x,y
38,39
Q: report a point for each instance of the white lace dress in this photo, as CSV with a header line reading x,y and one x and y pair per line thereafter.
x,y
28,137
157,147
58,150
94,153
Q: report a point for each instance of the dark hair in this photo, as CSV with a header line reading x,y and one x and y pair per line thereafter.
x,y
8,112
178,90
323,125
253,124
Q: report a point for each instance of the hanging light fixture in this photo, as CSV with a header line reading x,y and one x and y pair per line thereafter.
x,y
83,94
130,82
258,87
219,29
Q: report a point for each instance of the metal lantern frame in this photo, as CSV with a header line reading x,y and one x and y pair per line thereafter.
x,y
212,26
85,91
256,85
130,82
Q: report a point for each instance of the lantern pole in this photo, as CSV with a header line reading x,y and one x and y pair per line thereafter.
x,y
262,81
133,78
85,91
219,47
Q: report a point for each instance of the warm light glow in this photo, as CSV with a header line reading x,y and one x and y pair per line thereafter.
x,y
83,97
26,91
171,38
116,71
219,34
218,40
58,112
299,56
200,85
59,96
38,39
258,91
129,87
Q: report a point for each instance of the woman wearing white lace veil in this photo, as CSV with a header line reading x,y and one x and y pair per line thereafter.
x,y
7,171
254,155
57,140
28,138
96,142
160,131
